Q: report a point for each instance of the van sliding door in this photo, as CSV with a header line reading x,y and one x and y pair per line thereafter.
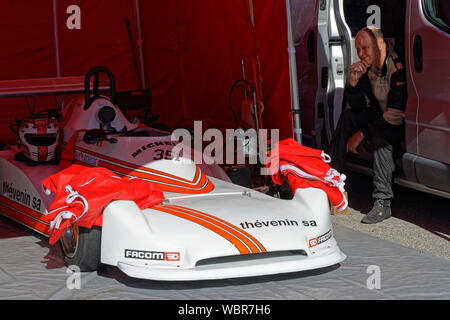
x,y
428,77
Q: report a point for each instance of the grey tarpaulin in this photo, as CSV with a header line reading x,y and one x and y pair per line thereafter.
x,y
32,269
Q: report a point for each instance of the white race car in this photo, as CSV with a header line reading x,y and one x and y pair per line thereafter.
x,y
206,228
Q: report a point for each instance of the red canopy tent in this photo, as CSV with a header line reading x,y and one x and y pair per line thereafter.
x,y
187,52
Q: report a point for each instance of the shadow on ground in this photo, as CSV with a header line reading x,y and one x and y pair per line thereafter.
x,y
422,209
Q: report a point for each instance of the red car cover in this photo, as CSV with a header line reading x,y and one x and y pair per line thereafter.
x,y
82,192
305,167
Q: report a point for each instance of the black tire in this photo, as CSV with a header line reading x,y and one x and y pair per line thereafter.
x,y
82,250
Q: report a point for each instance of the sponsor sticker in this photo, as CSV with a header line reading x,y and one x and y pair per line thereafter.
x,y
152,255
172,256
275,223
320,239
21,195
313,242
86,158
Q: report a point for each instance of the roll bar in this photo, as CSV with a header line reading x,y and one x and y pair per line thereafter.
x,y
87,88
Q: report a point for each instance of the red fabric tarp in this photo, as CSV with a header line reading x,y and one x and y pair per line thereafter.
x,y
81,194
305,167
192,53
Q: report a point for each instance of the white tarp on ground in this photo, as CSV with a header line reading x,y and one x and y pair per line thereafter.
x,y
31,269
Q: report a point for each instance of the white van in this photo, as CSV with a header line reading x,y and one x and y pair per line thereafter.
x,y
419,31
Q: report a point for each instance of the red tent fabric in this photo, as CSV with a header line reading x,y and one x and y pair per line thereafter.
x,y
192,53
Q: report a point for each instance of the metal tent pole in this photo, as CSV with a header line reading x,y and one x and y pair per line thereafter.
x,y
297,129
55,33
140,43
57,56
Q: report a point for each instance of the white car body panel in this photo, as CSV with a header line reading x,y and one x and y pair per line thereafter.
x,y
155,231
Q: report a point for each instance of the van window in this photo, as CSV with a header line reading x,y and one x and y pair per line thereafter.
x,y
356,15
438,13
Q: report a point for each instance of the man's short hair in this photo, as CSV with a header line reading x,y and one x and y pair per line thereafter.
x,y
373,32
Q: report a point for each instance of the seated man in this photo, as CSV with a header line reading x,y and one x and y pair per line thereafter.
x,y
376,100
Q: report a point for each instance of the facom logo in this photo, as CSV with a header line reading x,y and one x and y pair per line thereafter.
x,y
320,239
146,255
152,255
313,242
324,237
172,256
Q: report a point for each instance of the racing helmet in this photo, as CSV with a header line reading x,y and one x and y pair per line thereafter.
x,y
39,138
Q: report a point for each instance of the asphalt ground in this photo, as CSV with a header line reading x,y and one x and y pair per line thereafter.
x,y
419,220
412,258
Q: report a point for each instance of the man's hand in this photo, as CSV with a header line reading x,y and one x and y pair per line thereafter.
x,y
357,69
354,141
394,116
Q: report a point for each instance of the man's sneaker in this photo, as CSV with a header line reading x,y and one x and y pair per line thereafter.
x,y
381,211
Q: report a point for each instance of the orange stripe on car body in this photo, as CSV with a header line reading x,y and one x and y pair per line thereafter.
x,y
250,242
23,215
166,181
128,164
237,242
153,177
21,207
246,237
